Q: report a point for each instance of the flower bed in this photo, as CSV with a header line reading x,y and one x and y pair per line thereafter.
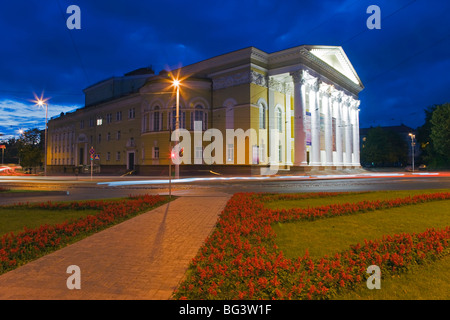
x,y
16,249
241,261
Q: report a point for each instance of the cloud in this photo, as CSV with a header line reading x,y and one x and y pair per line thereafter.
x,y
401,61
16,115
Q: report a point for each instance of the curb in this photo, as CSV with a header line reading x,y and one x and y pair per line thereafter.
x,y
32,194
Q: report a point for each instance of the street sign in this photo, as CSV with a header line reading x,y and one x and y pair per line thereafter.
x,y
2,146
92,151
97,157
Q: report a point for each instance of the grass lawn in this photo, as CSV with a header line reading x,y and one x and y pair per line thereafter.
x,y
15,219
427,282
348,197
328,236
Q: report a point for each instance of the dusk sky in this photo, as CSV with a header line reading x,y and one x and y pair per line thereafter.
x,y
404,66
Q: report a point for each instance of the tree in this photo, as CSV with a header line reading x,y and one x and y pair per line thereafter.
x,y
423,138
440,130
384,147
433,137
30,148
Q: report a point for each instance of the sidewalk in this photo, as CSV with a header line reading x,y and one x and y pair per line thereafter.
x,y
143,258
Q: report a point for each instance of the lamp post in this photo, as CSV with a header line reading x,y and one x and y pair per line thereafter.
x,y
176,83
41,102
412,149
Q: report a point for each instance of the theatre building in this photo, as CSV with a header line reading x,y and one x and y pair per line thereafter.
x,y
240,112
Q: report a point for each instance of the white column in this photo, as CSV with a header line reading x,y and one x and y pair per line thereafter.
x,y
356,151
299,118
315,126
273,138
339,124
328,133
348,141
288,128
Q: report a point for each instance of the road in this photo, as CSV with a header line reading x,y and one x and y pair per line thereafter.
x,y
107,187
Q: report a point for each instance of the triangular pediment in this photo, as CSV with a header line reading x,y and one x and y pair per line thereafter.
x,y
336,58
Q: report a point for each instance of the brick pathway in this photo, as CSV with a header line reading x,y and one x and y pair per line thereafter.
x,y
142,258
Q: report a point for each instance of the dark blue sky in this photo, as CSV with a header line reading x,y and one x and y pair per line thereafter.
x,y
404,66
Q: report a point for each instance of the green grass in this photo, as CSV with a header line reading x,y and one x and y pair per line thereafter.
x,y
425,282
348,197
328,236
15,219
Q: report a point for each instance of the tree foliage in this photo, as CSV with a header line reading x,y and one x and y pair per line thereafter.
x,y
434,136
440,130
30,147
384,147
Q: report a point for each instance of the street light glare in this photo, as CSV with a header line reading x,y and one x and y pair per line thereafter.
x,y
176,82
40,101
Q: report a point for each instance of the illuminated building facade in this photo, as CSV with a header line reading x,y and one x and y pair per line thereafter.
x,y
298,109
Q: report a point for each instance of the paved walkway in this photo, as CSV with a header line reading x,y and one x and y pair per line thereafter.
x,y
143,258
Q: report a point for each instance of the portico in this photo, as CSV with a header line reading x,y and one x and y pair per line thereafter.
x,y
325,113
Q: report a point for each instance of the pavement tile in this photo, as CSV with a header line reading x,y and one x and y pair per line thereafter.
x,y
142,258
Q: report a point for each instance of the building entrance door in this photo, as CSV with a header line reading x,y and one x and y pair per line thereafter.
x,y
81,157
131,161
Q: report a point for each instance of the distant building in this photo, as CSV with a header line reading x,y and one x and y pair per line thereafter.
x,y
302,103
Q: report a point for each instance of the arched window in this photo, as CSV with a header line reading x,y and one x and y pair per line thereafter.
x,y
156,119
262,116
199,115
173,119
279,119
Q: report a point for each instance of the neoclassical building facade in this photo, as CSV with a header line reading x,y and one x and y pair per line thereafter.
x,y
294,110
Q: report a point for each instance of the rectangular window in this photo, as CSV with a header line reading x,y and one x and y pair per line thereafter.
x,y
119,116
108,136
132,113
156,120
117,155
91,122
155,152
109,118
118,135
108,156
99,137
99,121
81,124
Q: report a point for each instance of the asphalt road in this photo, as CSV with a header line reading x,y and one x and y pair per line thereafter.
x,y
107,187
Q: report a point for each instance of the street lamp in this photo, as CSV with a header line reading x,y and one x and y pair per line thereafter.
x,y
176,84
412,149
41,103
